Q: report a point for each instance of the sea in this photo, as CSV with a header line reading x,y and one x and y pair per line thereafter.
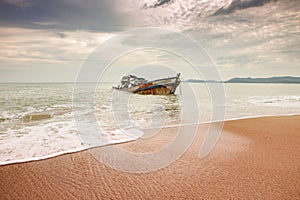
x,y
41,120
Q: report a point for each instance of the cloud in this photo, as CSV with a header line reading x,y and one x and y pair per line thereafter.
x,y
97,15
18,3
18,46
61,33
44,55
240,5
157,3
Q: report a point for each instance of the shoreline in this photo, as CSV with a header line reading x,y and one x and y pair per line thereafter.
x,y
82,148
254,158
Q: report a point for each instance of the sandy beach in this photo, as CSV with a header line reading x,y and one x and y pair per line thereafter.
x,y
254,158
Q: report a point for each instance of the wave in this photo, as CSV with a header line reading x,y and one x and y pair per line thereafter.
x,y
275,100
133,138
82,148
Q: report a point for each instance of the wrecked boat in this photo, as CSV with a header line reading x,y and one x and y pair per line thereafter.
x,y
140,85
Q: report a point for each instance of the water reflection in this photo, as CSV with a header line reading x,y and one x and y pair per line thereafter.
x,y
121,110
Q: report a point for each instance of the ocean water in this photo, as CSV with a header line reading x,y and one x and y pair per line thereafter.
x,y
39,120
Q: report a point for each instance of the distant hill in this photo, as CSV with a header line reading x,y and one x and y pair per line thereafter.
x,y
281,79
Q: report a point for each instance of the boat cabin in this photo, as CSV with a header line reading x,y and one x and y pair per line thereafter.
x,y
131,80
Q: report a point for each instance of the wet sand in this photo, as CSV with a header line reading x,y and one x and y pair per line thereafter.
x,y
255,158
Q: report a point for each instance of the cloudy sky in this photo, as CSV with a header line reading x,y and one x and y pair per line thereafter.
x,y
49,40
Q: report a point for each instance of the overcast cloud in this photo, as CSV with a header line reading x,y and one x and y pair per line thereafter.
x,y
50,39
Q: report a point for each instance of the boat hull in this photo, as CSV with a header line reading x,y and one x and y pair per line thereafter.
x,y
157,90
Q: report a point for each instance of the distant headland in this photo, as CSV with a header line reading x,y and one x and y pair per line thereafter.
x,y
276,79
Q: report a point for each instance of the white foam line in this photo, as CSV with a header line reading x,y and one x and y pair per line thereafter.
x,y
225,120
42,157
63,152
113,143
256,116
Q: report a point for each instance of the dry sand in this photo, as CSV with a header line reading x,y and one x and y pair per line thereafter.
x,y
255,158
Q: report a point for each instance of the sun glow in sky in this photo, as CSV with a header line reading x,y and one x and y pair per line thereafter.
x,y
44,41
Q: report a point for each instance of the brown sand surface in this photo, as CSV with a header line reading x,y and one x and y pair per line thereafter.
x,y
255,158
